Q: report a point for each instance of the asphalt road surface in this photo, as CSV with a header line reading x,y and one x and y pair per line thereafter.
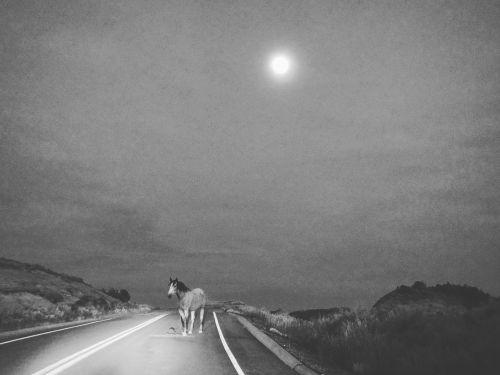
x,y
141,344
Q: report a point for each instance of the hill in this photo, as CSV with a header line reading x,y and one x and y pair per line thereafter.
x,y
439,330
31,294
441,298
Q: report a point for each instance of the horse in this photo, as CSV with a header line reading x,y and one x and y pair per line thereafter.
x,y
189,302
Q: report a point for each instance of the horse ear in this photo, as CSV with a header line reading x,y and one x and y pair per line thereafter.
x,y
170,279
176,279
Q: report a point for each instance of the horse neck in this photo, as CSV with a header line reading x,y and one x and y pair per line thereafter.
x,y
182,289
181,294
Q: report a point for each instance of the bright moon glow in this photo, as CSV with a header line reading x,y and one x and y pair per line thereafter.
x,y
280,65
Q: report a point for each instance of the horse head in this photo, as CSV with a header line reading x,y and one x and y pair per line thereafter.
x,y
172,287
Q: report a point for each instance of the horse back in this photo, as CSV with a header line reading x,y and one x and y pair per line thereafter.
x,y
194,299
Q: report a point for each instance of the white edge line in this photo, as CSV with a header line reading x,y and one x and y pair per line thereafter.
x,y
228,351
69,361
56,330
76,357
66,359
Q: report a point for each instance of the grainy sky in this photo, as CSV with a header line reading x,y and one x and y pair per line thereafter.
x,y
146,139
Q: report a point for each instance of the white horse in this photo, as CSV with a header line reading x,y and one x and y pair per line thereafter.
x,y
189,302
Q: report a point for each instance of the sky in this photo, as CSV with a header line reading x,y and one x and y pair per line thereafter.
x,y
146,139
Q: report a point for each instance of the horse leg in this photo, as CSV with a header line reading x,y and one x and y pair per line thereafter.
x,y
183,321
191,322
186,322
202,312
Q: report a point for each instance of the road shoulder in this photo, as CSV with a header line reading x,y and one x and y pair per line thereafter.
x,y
251,355
280,351
276,349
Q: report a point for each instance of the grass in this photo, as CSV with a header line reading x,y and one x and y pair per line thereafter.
x,y
23,310
32,295
405,342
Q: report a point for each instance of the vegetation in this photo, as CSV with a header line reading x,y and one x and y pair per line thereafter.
x,y
122,294
401,341
446,295
319,313
31,295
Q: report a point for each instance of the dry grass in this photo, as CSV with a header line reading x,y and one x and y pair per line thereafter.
x,y
23,310
32,295
406,342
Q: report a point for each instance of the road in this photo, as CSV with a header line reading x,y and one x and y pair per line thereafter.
x,y
141,344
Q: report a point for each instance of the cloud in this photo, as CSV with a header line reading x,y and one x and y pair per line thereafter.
x,y
141,140
55,209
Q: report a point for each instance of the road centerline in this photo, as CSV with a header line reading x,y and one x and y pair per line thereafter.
x,y
226,347
70,360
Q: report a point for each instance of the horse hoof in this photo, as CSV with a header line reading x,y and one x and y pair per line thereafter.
x,y
184,334
200,331
190,332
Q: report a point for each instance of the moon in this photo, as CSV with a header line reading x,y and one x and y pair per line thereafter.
x,y
280,65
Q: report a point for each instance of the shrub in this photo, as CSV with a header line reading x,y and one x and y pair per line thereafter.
x,y
51,296
122,294
406,342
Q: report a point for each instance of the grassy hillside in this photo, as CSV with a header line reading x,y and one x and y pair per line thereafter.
x,y
444,329
32,294
439,299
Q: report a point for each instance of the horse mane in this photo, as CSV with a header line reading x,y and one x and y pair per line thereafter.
x,y
181,287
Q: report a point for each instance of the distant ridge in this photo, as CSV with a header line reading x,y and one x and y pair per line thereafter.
x,y
438,298
319,313
433,299
13,264
31,294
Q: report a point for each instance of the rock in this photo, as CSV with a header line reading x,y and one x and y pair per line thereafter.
x,y
274,330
